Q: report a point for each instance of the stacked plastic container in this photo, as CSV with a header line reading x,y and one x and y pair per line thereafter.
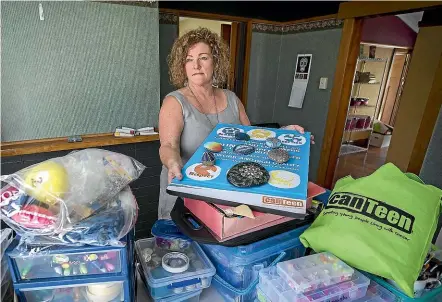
x,y
316,278
163,285
84,273
6,292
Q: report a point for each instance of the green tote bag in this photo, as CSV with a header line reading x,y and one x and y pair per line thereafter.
x,y
382,224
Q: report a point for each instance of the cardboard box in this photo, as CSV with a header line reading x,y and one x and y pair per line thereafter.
x,y
380,140
284,194
224,228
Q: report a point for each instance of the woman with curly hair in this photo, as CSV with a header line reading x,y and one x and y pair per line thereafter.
x,y
198,64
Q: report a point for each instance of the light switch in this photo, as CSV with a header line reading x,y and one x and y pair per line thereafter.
x,y
323,83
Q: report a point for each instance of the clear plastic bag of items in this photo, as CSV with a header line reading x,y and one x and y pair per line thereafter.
x,y
80,198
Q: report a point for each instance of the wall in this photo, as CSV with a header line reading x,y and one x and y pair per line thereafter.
x,y
146,189
187,24
431,172
61,76
423,66
272,67
388,30
168,32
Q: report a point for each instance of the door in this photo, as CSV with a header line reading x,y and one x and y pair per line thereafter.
x,y
394,82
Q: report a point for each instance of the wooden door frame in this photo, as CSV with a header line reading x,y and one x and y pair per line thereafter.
x,y
353,14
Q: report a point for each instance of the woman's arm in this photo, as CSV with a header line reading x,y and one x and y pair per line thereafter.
x,y
243,118
171,124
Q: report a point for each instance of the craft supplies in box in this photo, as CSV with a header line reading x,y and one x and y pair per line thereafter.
x,y
266,169
74,199
314,271
168,236
239,266
226,226
170,273
91,291
278,290
376,293
62,261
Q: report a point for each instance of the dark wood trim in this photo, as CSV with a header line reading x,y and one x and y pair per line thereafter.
x,y
312,19
428,122
200,15
233,55
245,82
358,9
339,101
61,143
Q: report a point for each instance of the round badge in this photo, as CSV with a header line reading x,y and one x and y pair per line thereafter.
x,y
292,139
261,134
208,159
248,174
279,155
228,132
244,149
202,172
273,142
213,146
241,136
284,179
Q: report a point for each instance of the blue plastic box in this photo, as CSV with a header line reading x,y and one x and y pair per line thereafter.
x,y
239,266
109,289
67,261
434,295
161,283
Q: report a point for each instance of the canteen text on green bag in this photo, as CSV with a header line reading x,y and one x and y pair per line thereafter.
x,y
382,224
386,217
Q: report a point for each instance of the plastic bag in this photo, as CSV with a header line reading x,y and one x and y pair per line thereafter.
x,y
51,197
105,227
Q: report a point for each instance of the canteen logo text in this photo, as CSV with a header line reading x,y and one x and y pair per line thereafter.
x,y
374,209
283,202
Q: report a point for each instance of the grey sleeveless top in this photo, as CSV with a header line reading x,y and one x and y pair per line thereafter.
x,y
196,129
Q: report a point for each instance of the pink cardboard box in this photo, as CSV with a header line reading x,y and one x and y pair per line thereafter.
x,y
225,228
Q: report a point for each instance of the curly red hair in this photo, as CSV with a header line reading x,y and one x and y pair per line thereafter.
x,y
177,57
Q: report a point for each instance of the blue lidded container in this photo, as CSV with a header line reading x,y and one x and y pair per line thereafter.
x,y
168,236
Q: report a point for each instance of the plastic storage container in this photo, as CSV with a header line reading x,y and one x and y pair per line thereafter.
x,y
239,266
376,293
168,236
63,261
278,290
434,295
162,283
314,271
113,291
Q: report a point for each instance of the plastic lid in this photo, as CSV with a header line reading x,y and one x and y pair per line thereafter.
x,y
375,292
272,284
307,273
248,254
199,266
167,229
180,297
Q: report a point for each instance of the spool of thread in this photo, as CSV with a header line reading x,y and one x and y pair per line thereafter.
x,y
103,292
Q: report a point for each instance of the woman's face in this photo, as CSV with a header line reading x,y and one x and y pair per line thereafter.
x,y
199,64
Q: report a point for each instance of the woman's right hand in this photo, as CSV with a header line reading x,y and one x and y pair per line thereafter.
x,y
174,172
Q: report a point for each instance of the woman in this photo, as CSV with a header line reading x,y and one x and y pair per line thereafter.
x,y
198,63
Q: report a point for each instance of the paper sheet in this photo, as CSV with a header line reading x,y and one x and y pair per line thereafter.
x,y
300,80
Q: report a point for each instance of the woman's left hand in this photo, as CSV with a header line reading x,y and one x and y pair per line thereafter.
x,y
300,130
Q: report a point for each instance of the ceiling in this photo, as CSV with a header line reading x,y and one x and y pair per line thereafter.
x,y
280,11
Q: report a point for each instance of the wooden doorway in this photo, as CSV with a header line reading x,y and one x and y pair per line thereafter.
x,y
395,84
